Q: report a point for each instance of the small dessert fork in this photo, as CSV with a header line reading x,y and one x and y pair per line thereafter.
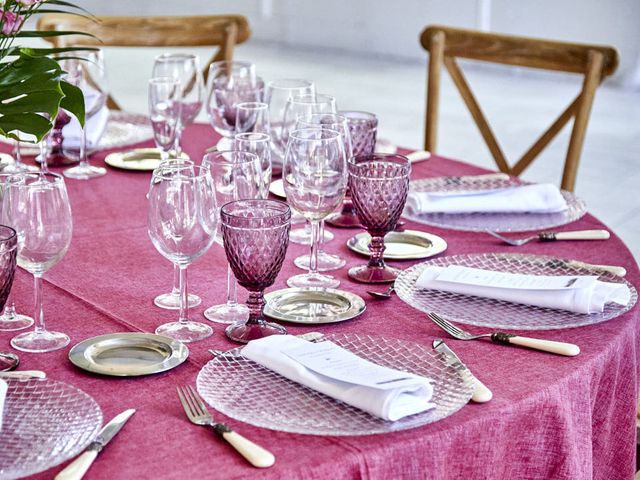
x,y
551,236
197,413
559,348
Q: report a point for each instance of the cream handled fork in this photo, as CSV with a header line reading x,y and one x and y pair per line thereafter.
x,y
559,348
552,236
197,413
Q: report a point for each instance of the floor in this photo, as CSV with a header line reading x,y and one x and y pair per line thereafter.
x,y
518,105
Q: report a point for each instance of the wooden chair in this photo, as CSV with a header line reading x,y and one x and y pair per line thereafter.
x,y
224,31
445,44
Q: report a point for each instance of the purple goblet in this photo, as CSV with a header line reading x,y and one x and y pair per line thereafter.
x,y
256,235
8,253
363,127
379,185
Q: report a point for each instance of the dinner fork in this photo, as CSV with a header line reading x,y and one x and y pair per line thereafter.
x,y
551,236
197,413
559,348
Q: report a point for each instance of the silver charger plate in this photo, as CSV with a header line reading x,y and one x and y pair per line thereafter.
x,y
45,423
498,222
313,306
139,159
406,245
128,354
248,392
491,313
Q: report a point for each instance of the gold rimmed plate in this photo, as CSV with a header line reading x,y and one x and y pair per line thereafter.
x,y
406,245
313,306
128,354
139,159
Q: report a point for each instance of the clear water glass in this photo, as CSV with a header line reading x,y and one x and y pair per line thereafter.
x,y
252,117
164,112
260,145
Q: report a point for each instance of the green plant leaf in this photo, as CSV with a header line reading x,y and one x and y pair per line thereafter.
x,y
73,100
41,52
31,123
37,33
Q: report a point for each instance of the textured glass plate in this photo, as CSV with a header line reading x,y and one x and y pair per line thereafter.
x,y
45,423
405,245
498,222
125,129
242,389
499,314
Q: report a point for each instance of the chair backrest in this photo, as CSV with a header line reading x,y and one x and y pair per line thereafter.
x,y
594,62
224,31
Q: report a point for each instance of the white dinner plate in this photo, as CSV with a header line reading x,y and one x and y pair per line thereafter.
x,y
139,159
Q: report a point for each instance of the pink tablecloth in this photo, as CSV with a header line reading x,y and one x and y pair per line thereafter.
x,y
551,417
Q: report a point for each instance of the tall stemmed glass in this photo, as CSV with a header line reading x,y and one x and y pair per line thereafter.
x,y
315,179
10,320
259,144
236,176
36,205
18,166
186,69
89,74
182,224
379,185
164,112
256,234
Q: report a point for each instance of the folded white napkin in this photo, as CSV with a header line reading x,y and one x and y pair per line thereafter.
x,y
3,394
95,124
579,294
538,198
412,394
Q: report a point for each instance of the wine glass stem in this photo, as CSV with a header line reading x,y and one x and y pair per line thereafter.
x,y
232,287
44,168
315,238
376,247
255,303
9,311
39,311
177,146
18,154
83,149
184,295
175,290
321,235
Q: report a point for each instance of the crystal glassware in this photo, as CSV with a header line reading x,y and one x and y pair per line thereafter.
x,y
252,117
362,130
236,176
260,145
182,223
164,112
8,253
18,166
37,206
228,84
87,71
315,179
185,68
256,235
379,186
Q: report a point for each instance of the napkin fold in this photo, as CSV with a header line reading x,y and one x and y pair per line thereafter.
x,y
95,125
413,396
3,394
589,295
537,198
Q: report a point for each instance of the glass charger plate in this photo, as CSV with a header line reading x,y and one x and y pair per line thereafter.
x,y
486,312
124,129
242,389
45,423
498,222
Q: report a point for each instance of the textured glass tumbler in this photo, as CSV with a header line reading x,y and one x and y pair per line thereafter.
x,y
363,127
255,236
8,259
379,186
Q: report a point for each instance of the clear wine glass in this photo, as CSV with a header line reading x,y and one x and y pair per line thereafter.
x,y
379,186
88,73
36,205
259,144
315,179
252,117
182,223
18,166
164,112
236,175
10,320
256,234
186,69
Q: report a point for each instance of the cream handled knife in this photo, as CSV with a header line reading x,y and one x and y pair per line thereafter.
x,y
76,469
481,394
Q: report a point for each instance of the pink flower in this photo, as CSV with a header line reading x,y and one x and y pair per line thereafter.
x,y
11,22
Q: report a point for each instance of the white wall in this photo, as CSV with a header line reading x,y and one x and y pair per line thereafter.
x,y
391,28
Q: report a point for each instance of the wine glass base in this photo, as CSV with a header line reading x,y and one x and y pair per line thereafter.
x,y
243,333
303,236
19,168
313,280
344,220
14,322
185,332
227,314
367,274
326,262
84,172
171,301
38,342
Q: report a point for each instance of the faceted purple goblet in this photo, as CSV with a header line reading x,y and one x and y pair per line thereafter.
x,y
256,235
379,186
363,127
8,254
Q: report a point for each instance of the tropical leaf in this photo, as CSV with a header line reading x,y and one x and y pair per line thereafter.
x,y
39,33
73,100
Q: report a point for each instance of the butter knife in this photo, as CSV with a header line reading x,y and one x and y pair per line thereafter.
x,y
76,469
481,394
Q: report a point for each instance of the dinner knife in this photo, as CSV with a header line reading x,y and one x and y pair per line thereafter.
x,y
76,469
481,393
